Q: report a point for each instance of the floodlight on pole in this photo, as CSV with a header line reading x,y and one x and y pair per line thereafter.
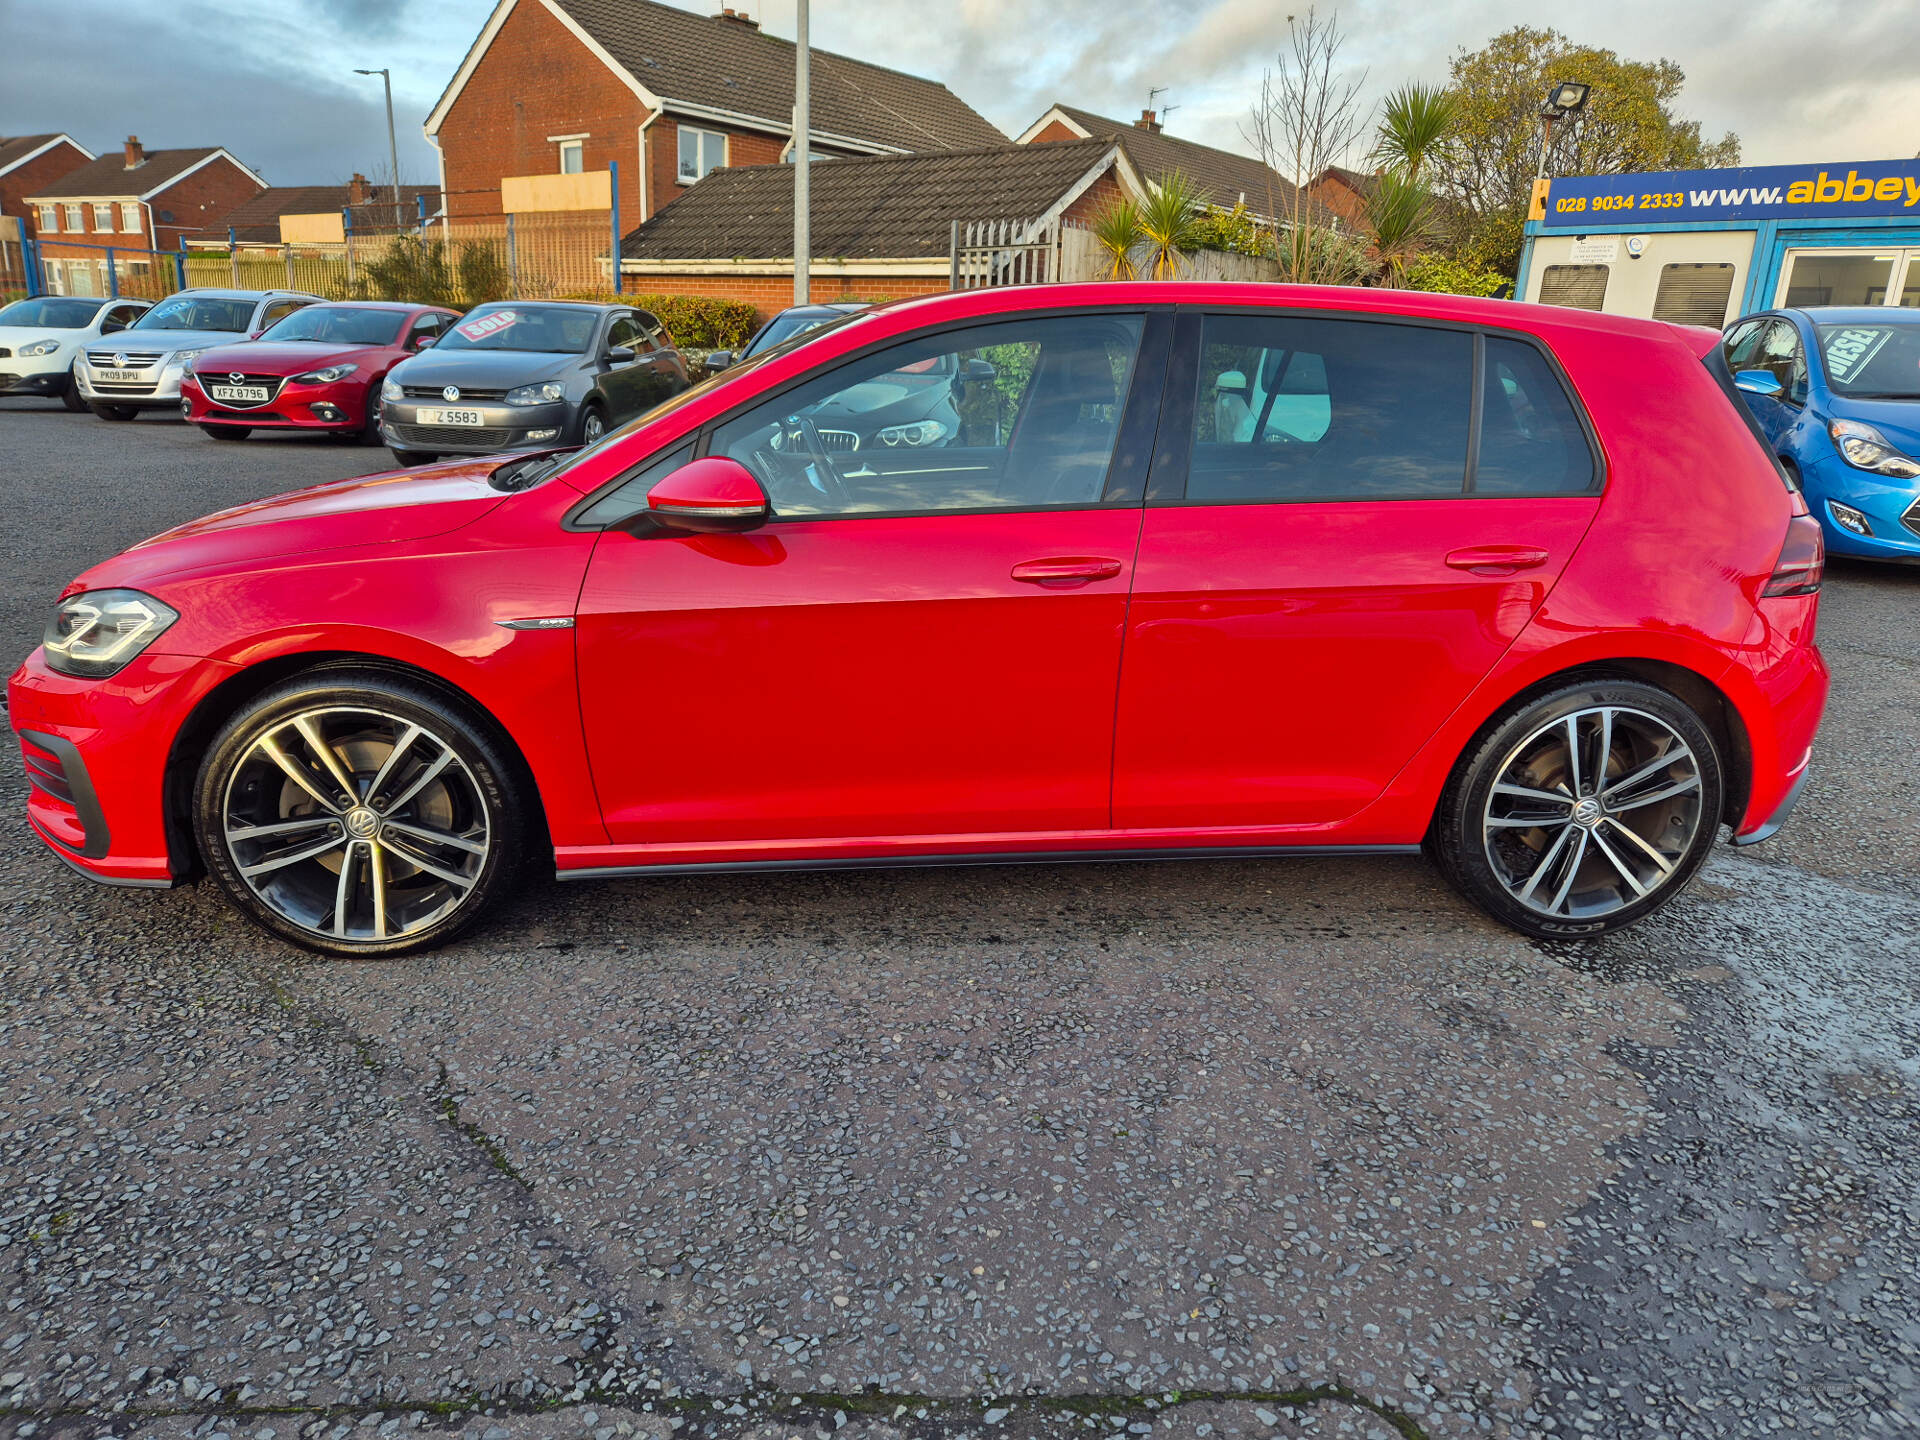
x,y
1565,97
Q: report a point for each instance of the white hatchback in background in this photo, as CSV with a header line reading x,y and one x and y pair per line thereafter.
x,y
40,338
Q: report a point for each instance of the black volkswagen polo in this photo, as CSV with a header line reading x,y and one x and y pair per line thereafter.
x,y
528,375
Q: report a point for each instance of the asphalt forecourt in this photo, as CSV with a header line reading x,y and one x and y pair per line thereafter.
x,y
1208,1149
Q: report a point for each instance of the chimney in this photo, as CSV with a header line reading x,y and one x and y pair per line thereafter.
x,y
738,17
136,157
1147,122
357,191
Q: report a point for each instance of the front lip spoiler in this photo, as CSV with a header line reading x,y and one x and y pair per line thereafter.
x,y
1779,816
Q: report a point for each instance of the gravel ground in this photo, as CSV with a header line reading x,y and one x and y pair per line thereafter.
x,y
1212,1150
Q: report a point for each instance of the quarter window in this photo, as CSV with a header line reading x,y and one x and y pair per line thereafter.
x,y
1531,441
1014,416
1694,294
1578,287
701,153
1296,408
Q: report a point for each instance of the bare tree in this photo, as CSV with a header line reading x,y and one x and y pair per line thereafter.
x,y
1308,117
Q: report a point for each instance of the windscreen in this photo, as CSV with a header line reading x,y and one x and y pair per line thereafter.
x,y
339,327
1872,361
786,327
52,314
549,329
184,312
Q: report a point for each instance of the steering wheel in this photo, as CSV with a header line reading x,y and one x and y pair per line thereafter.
x,y
828,474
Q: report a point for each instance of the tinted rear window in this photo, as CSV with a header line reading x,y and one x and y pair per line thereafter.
x,y
1531,441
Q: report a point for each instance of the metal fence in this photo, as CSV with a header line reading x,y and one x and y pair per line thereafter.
x,y
71,268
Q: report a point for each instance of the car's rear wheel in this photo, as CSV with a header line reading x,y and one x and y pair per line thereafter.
x,y
113,412
359,815
227,432
1582,811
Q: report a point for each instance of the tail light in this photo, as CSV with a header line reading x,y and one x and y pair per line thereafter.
x,y
1803,559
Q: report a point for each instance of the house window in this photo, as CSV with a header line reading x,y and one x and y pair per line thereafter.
x,y
49,220
572,156
103,217
75,225
130,217
701,153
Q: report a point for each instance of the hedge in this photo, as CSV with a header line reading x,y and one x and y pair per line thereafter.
x,y
696,322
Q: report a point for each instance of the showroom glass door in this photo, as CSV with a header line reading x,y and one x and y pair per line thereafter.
x,y
1850,277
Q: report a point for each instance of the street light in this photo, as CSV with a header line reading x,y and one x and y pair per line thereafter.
x,y
393,150
1568,97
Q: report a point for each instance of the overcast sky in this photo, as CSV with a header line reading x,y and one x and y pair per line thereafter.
x,y
273,81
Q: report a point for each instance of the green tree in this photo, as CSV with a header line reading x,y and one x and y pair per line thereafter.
x,y
1415,121
1117,229
1492,150
1170,224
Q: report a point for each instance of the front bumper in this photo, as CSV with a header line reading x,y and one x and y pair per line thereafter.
x,y
1892,508
43,382
97,754
503,427
153,387
340,406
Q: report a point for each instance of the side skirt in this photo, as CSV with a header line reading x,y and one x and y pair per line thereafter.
x,y
1014,857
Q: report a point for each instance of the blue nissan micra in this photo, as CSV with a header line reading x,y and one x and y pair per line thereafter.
x,y
1837,391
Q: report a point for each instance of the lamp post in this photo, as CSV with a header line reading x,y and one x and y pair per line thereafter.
x,y
1568,97
802,160
393,150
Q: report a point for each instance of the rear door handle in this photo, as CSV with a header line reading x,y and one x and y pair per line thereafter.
x,y
1065,570
1497,559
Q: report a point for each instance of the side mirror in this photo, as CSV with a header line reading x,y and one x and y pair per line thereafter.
x,y
423,342
107,327
981,370
619,354
711,496
718,360
1759,382
1230,380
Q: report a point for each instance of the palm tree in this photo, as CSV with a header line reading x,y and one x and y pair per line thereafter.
x,y
1399,220
1117,228
1414,123
1169,223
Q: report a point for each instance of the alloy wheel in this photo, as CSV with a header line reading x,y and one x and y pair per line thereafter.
x,y
1592,812
355,825
592,427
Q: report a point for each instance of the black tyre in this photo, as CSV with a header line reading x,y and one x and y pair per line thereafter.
x,y
227,432
410,458
71,397
113,412
1581,811
360,814
593,422
369,432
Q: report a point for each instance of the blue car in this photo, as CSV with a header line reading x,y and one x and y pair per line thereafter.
x,y
1836,389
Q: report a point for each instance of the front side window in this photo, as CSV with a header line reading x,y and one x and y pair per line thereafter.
x,y
625,332
130,217
572,156
1014,416
1298,408
49,220
1741,343
75,225
1531,441
279,310
701,153
1578,287
1781,354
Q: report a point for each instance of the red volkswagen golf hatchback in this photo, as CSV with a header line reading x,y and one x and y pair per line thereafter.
x,y
1073,572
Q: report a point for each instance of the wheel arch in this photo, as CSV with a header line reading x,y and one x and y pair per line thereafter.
x,y
219,705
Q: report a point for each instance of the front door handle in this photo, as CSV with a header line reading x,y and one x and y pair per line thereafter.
x,y
1065,570
1497,559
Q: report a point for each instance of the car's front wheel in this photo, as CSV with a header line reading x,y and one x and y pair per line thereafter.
x,y
71,397
410,458
1582,811
359,814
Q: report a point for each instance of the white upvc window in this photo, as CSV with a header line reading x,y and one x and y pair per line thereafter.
x,y
701,153
103,216
130,217
572,156
75,225
49,219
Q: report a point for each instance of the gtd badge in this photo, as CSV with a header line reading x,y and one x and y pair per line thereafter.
x,y
450,394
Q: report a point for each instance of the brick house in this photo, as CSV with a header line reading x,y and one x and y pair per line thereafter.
x,y
559,86
28,162
1223,177
880,226
134,199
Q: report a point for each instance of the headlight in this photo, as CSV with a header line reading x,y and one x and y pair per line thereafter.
x,y
40,347
1866,448
920,432
325,376
184,358
543,394
390,390
96,632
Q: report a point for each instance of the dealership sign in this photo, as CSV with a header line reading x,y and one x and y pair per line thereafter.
x,y
1871,189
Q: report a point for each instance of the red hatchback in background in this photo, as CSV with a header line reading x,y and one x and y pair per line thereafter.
x,y
319,369
1172,569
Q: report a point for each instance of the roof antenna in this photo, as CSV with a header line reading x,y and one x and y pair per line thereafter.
x,y
1154,94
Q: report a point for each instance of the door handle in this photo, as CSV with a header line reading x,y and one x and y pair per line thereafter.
x,y
1064,570
1497,559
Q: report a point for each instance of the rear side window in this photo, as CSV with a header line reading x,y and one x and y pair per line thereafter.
x,y
1299,408
1694,294
1578,287
1531,441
